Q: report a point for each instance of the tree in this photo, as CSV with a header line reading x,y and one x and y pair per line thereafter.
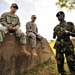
x,y
68,4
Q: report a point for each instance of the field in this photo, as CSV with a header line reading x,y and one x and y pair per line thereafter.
x,y
47,68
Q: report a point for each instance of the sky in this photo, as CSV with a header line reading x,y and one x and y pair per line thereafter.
x,y
45,10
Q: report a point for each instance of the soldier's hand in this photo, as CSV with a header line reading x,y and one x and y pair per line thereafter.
x,y
35,33
67,32
14,28
62,30
10,27
54,36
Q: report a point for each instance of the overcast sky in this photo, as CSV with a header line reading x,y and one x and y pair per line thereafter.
x,y
45,10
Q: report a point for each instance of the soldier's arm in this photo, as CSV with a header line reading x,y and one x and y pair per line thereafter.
x,y
28,27
17,26
71,31
36,29
36,32
54,33
72,34
0,20
3,20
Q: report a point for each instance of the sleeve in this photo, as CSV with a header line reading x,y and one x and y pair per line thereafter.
x,y
3,20
70,26
36,28
17,26
28,27
71,29
73,32
54,34
0,20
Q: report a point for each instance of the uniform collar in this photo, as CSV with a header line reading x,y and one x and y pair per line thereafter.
x,y
63,23
11,14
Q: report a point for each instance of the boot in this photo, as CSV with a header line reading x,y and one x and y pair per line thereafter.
x,y
25,51
34,52
45,51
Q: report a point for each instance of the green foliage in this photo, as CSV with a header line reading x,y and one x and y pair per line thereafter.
x,y
68,4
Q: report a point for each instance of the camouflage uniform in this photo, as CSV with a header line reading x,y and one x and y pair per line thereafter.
x,y
63,46
11,20
31,28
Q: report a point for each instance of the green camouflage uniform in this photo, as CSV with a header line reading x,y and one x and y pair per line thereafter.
x,y
63,46
11,20
31,28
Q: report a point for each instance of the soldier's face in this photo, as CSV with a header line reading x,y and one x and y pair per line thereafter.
x,y
33,19
13,9
60,17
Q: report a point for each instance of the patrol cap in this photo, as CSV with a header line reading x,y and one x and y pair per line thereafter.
x,y
33,16
59,13
14,5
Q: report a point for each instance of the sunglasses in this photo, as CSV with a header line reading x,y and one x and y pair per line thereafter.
x,y
15,7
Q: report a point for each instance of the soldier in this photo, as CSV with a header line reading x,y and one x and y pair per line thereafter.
x,y
10,23
63,44
32,32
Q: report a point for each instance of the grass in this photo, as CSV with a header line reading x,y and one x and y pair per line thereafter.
x,y
47,68
52,47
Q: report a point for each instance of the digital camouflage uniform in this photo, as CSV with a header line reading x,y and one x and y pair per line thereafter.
x,y
11,20
63,46
31,28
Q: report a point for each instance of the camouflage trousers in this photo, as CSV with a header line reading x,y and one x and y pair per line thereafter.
x,y
19,34
33,39
70,58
